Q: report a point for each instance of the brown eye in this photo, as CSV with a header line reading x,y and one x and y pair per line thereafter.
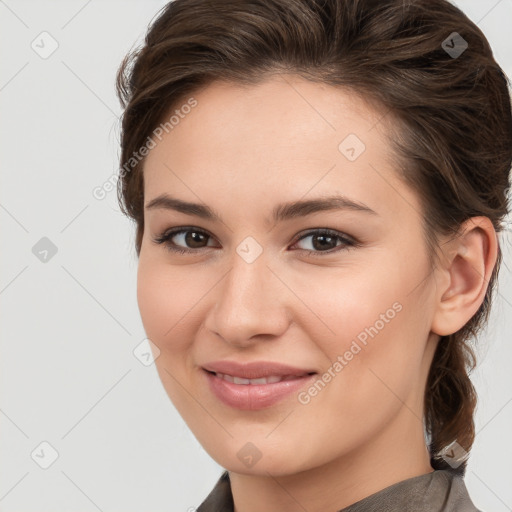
x,y
195,239
325,241
184,240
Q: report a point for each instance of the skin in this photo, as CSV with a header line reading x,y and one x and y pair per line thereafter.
x,y
241,151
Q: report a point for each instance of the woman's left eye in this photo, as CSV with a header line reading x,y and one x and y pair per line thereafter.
x,y
193,239
326,240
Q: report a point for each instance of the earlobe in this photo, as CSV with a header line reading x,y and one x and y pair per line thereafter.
x,y
469,262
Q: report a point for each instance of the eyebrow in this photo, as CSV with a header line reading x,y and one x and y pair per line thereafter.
x,y
281,212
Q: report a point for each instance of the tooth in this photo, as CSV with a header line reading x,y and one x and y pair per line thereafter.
x,y
262,380
239,380
272,379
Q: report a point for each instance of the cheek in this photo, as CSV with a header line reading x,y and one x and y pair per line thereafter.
x,y
152,296
352,303
165,303
377,332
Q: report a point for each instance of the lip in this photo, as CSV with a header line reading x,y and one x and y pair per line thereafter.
x,y
255,369
255,396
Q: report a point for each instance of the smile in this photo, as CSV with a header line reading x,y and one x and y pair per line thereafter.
x,y
252,394
272,379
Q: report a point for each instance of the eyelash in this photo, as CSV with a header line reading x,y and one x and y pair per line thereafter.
x,y
165,238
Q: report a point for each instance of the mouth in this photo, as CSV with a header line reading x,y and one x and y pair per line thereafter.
x,y
255,370
271,379
255,385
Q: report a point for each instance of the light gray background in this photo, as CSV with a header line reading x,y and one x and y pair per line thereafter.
x,y
69,325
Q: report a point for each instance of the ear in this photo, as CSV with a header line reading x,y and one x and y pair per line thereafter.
x,y
463,279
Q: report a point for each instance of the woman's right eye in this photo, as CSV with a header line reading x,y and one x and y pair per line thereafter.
x,y
183,240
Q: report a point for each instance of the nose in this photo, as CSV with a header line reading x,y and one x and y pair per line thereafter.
x,y
250,304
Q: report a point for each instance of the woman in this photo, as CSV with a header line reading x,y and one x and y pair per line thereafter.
x,y
317,188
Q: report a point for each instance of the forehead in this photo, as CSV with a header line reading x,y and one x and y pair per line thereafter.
x,y
280,139
303,108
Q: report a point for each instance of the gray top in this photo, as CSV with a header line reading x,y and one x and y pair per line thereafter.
x,y
443,490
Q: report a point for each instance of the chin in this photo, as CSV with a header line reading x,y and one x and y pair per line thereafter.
x,y
259,457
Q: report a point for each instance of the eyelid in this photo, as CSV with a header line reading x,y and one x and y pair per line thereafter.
x,y
328,231
164,237
183,229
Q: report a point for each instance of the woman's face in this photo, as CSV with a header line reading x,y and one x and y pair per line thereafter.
x,y
349,310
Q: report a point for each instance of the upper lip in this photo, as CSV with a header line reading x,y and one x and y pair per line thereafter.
x,y
255,369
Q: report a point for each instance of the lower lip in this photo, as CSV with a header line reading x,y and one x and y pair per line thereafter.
x,y
254,396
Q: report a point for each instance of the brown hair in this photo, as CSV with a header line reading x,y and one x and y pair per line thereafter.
x,y
452,112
